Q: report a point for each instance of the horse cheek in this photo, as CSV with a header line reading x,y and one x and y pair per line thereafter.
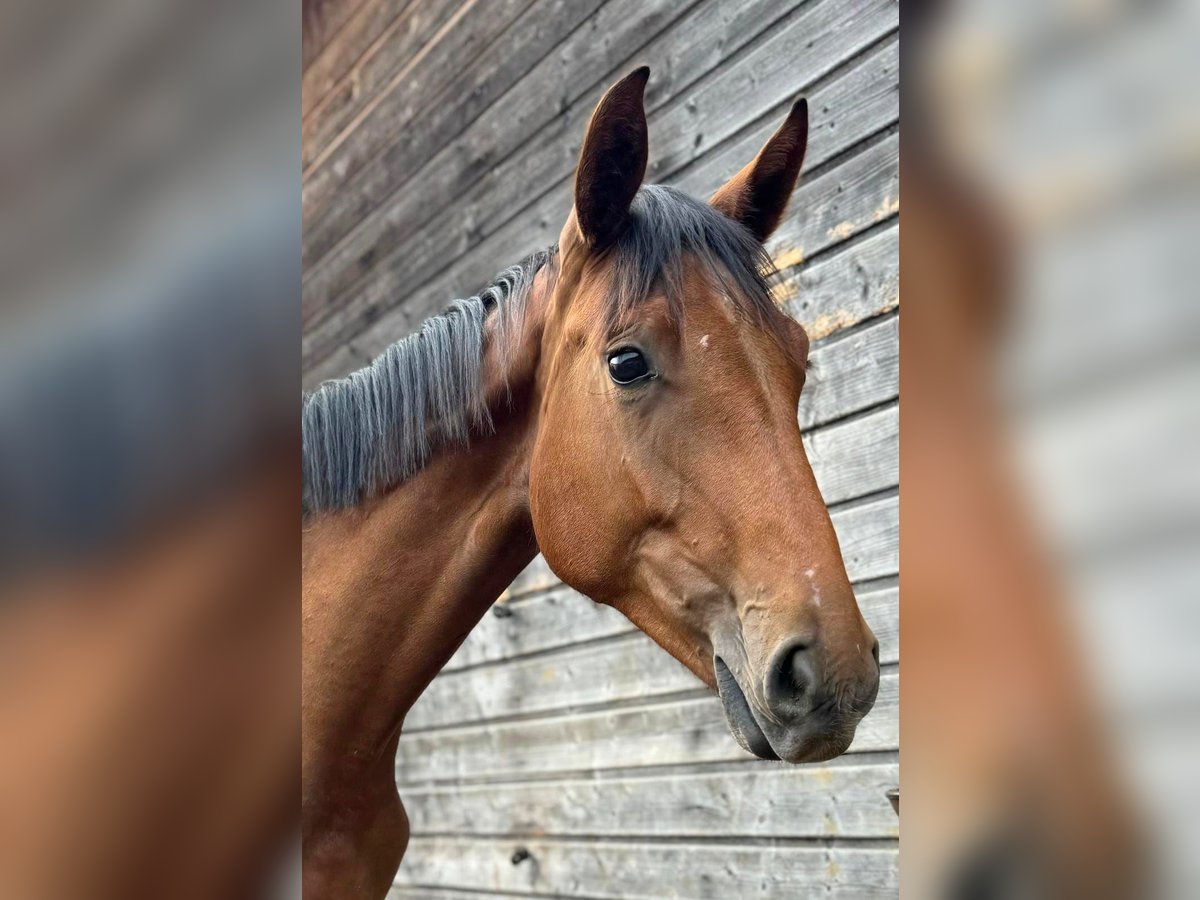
x,y
571,522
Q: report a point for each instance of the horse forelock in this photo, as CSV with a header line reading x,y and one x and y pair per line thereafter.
x,y
669,231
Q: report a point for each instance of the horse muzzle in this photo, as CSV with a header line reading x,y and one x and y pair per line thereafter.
x,y
797,716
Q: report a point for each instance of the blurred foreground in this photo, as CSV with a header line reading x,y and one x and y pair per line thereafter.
x,y
149,482
1049,433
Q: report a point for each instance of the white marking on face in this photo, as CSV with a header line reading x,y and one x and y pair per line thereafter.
x,y
704,342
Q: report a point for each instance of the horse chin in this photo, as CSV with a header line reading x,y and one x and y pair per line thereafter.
x,y
746,730
815,748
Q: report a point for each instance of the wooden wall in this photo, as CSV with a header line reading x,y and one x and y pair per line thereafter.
x,y
439,144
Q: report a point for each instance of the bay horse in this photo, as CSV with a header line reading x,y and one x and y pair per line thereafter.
x,y
624,403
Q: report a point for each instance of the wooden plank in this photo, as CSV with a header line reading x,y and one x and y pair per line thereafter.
x,y
342,361
499,196
757,800
856,457
647,872
869,536
813,44
676,732
852,371
437,892
534,623
628,667
861,191
850,198
376,27
857,283
323,19
868,90
403,129
561,89
561,616
581,67
460,41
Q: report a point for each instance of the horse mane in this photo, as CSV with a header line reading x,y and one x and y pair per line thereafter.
x,y
375,428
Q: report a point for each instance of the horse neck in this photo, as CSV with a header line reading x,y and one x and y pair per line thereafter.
x,y
392,588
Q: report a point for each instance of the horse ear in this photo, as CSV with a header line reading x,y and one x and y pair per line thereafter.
x,y
758,195
612,162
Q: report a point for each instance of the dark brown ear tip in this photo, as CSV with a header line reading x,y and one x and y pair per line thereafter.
x,y
631,87
634,82
799,109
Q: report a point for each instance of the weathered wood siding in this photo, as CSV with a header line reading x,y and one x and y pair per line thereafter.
x,y
439,144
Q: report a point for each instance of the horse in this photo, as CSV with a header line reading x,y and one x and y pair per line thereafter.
x,y
623,402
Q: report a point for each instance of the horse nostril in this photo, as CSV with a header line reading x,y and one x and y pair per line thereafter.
x,y
793,677
800,672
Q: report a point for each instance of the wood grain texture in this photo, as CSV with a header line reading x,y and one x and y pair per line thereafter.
x,y
368,30
489,237
639,871
858,456
851,371
747,801
627,667
521,203
437,44
405,128
543,118
672,732
323,20
859,282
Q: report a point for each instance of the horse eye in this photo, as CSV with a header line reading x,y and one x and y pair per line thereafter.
x,y
625,366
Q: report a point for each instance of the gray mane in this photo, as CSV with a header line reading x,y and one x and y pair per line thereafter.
x,y
377,427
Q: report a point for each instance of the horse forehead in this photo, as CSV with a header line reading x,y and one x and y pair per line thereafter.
x,y
717,341
717,329
776,353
